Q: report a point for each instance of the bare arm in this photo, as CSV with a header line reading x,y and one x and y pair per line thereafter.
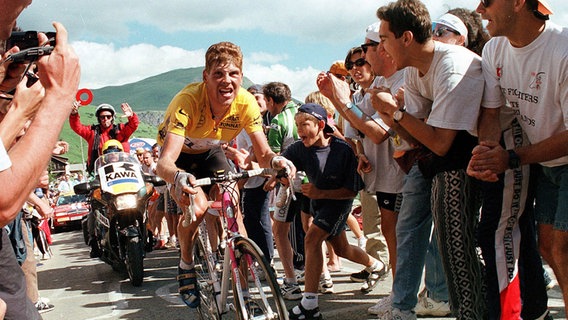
x,y
59,74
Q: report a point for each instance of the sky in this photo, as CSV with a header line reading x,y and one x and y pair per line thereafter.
x,y
120,42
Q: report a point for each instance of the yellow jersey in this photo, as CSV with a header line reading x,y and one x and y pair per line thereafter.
x,y
189,115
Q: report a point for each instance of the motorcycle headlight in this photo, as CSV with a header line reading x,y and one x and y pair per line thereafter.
x,y
126,201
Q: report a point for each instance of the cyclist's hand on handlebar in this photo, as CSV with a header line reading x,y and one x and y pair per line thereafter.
x,y
182,185
281,163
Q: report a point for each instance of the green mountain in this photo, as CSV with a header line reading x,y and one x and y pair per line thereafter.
x,y
149,98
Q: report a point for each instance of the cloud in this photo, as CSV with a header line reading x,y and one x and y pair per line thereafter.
x,y
104,64
289,41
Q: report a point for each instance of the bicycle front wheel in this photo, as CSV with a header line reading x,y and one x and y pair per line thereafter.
x,y
256,293
204,268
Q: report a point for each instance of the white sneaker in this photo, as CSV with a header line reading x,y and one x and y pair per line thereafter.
x,y
397,314
427,306
325,285
383,306
362,242
291,291
300,276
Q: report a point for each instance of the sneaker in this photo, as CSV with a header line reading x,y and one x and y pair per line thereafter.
x,y
300,276
397,314
360,276
43,307
373,279
550,283
160,244
305,314
325,285
427,306
291,291
383,306
170,244
362,242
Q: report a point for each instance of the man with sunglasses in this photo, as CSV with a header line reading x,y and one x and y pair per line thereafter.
x,y
97,134
525,67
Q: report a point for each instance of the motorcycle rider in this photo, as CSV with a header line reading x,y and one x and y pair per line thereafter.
x,y
97,134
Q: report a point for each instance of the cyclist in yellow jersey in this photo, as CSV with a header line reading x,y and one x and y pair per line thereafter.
x,y
200,119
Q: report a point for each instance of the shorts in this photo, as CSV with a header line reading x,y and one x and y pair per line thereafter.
x,y
389,201
172,206
288,213
204,165
331,215
552,197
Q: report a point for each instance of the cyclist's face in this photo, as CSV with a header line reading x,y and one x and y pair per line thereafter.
x,y
223,82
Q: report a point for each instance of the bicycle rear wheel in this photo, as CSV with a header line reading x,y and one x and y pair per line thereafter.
x,y
203,268
264,298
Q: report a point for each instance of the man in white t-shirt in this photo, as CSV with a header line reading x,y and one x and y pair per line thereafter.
x,y
526,65
442,95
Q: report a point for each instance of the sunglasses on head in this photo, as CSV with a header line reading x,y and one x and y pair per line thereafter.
x,y
105,116
441,31
359,63
365,46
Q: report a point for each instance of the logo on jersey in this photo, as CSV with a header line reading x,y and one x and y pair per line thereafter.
x,y
536,80
232,122
499,72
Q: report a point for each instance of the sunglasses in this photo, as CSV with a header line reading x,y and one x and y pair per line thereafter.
x,y
105,116
486,3
359,63
365,46
441,31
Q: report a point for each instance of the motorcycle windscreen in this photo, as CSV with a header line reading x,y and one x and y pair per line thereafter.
x,y
121,177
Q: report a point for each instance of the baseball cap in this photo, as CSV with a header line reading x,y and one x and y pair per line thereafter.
x,y
338,67
372,32
451,21
318,112
544,7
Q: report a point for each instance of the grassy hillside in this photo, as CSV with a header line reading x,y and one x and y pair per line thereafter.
x,y
154,93
150,94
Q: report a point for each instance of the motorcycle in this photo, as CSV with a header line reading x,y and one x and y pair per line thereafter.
x,y
119,194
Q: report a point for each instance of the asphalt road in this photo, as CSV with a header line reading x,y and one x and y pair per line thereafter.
x,y
84,288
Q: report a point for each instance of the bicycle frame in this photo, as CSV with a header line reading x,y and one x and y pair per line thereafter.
x,y
230,266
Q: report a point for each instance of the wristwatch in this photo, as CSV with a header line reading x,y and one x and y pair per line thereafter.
x,y
514,159
397,115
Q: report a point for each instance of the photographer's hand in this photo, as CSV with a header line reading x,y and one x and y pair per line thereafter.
x,y
60,71
10,73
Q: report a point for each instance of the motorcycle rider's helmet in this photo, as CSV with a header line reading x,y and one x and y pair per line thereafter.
x,y
104,107
112,145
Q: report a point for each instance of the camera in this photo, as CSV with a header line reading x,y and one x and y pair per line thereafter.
x,y
28,39
30,48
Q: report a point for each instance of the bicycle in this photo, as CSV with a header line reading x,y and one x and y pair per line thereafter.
x,y
242,263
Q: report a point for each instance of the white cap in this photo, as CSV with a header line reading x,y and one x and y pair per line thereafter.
x,y
372,32
451,21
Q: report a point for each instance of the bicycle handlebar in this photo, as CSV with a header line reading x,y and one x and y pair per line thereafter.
x,y
230,176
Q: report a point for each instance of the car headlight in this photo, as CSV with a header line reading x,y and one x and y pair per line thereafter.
x,y
126,201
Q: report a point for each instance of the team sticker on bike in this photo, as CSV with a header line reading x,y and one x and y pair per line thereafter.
x,y
121,177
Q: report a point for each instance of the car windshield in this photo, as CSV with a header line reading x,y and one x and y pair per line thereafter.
x,y
71,199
